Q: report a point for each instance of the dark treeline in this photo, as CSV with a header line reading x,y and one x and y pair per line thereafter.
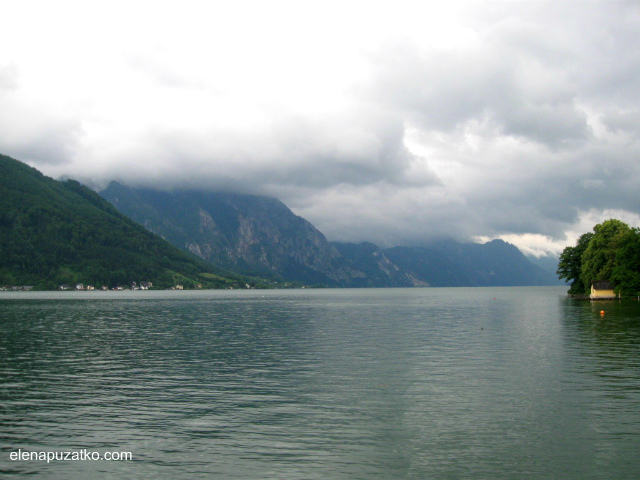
x,y
54,233
610,253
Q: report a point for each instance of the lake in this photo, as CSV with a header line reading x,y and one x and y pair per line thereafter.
x,y
425,383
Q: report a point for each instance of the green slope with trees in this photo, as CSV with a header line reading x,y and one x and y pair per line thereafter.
x,y
610,253
61,232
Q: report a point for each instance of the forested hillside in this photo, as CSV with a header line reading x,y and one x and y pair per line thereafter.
x,y
54,233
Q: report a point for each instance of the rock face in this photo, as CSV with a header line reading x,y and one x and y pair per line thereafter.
x,y
247,233
261,235
377,270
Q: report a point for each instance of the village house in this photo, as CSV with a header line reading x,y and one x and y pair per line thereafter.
x,y
602,290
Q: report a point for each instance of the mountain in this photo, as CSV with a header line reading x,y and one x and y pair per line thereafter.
x,y
261,235
547,263
60,232
452,264
251,234
375,267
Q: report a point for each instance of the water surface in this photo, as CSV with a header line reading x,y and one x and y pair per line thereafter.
x,y
474,383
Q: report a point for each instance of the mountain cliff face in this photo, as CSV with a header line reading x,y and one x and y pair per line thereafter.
x,y
376,267
247,233
261,235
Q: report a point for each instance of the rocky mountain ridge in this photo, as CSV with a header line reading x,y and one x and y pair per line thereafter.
x,y
262,236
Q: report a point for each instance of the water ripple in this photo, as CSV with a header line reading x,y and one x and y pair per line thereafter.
x,y
417,383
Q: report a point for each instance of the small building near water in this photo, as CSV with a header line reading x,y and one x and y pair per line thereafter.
x,y
602,289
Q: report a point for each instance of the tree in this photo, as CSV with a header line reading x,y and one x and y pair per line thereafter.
x,y
611,253
626,271
599,258
570,265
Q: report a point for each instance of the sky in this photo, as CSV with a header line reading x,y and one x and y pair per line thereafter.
x,y
395,122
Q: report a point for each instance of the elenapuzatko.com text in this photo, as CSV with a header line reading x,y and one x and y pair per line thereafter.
x,y
69,456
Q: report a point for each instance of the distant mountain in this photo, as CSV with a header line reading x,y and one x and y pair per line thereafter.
x,y
449,263
54,232
376,269
548,264
261,235
251,234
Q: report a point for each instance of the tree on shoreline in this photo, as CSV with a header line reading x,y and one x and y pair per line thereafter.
x,y
610,253
626,271
570,265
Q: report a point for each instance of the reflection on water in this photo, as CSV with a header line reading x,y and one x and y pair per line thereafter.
x,y
401,383
604,350
607,334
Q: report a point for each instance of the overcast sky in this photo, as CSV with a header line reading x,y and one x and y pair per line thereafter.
x,y
390,121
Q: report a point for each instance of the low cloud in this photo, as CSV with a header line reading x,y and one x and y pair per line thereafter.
x,y
480,120
43,138
8,78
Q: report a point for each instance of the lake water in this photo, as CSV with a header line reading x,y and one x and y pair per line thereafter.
x,y
450,383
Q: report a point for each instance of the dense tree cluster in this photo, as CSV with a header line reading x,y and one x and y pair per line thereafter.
x,y
610,253
54,232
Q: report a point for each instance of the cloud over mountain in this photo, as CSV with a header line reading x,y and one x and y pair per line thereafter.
x,y
393,122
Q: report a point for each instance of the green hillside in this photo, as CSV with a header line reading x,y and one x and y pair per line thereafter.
x,y
54,232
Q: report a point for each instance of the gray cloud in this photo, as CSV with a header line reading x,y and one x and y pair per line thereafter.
x,y
521,120
513,77
37,136
362,147
8,78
